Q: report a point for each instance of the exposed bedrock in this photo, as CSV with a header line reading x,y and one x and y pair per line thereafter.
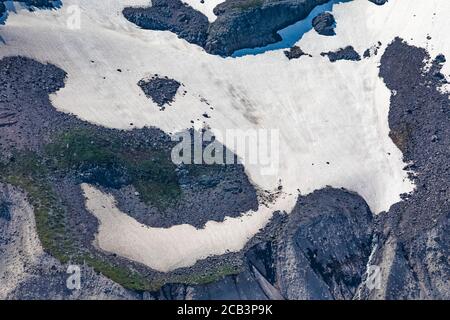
x,y
40,3
44,4
413,246
161,90
324,24
323,249
256,281
379,2
28,121
347,53
253,23
318,251
2,9
295,53
239,24
171,15
243,286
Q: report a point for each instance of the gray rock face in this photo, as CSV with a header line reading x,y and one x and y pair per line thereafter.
x,y
161,90
324,247
372,51
239,287
43,4
413,247
253,23
2,9
254,282
295,53
40,3
171,15
239,24
347,53
324,24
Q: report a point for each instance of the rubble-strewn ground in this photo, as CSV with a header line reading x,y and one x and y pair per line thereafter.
x,y
161,90
413,246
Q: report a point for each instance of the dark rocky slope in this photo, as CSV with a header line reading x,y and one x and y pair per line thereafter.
x,y
253,23
324,247
2,8
413,238
31,4
35,3
324,24
239,24
295,53
172,15
41,3
319,251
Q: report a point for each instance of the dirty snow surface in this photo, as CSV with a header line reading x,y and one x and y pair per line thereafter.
x,y
331,117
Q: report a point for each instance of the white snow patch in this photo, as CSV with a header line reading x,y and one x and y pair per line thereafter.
x,y
326,112
206,8
179,246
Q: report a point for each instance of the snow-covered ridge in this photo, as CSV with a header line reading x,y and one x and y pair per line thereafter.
x,y
326,112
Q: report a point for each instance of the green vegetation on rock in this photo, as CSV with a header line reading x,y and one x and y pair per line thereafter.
x,y
110,162
104,159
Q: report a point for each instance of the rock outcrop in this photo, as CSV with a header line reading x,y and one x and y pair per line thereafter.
x,y
413,238
295,52
347,53
240,23
172,15
324,24
253,23
161,90
2,9
323,249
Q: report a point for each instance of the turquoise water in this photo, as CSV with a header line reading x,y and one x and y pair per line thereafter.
x,y
291,34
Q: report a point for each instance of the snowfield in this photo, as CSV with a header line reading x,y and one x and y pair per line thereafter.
x,y
179,246
325,112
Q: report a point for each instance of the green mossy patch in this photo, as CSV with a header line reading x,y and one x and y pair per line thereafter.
x,y
110,161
